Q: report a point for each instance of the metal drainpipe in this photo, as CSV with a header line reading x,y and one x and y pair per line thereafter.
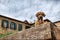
x,y
52,31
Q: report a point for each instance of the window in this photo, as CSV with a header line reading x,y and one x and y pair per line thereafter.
x,y
27,27
13,26
4,23
19,27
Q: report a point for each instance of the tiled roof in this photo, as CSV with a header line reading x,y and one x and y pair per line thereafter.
x,y
57,22
10,18
16,20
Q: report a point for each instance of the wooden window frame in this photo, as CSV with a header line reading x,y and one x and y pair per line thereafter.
x,y
20,26
3,24
15,26
27,27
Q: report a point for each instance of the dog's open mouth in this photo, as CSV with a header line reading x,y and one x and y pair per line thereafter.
x,y
40,19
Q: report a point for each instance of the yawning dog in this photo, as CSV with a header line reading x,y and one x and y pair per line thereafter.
x,y
39,19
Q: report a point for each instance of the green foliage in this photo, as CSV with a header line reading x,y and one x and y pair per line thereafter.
x,y
8,33
5,34
2,35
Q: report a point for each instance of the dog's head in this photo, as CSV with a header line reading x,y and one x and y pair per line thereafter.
x,y
40,15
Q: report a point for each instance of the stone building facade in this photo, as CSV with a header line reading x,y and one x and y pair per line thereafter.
x,y
7,23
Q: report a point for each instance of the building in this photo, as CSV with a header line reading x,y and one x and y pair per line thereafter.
x,y
7,23
57,23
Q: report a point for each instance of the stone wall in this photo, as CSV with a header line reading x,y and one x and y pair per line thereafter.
x,y
34,33
44,31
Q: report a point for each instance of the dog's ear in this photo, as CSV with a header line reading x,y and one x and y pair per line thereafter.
x,y
44,15
37,14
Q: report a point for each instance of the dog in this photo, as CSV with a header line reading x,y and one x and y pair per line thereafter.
x,y
39,19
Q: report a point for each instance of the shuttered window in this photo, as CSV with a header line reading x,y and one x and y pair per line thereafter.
x,y
19,27
27,27
4,23
13,25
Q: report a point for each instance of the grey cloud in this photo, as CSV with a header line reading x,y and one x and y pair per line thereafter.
x,y
24,9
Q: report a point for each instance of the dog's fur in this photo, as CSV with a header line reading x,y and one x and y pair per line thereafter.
x,y
39,19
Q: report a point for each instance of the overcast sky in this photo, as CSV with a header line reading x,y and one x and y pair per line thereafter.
x,y
24,9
